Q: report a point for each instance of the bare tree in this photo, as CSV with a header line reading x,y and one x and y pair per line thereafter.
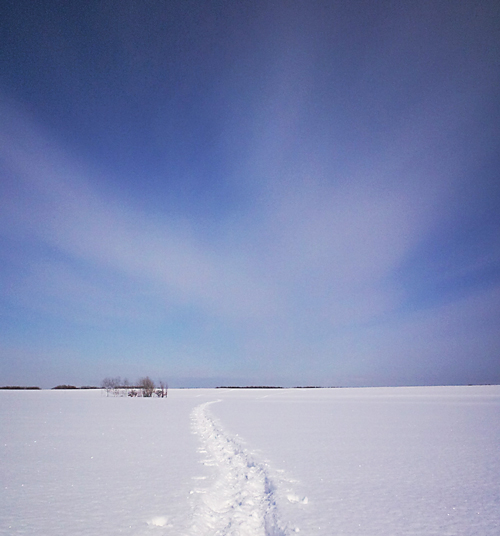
x,y
126,386
110,384
163,391
147,385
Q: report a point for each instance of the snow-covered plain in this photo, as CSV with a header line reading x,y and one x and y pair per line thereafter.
x,y
373,461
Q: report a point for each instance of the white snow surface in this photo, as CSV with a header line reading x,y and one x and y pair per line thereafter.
x,y
207,462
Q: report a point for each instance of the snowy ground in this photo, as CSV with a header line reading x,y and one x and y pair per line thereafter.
x,y
392,461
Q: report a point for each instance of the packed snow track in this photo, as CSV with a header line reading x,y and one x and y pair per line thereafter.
x,y
242,500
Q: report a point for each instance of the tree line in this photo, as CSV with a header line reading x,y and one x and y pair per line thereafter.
x,y
20,387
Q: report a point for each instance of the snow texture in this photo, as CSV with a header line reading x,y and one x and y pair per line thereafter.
x,y
321,462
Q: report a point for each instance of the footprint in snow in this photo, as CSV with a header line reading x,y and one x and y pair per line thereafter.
x,y
159,521
296,499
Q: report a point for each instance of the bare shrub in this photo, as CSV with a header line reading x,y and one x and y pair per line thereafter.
x,y
111,385
147,385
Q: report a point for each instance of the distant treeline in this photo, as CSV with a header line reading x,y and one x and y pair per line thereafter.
x,y
63,386
22,387
114,384
249,387
267,387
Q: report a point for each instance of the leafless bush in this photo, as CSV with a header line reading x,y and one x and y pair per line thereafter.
x,y
147,385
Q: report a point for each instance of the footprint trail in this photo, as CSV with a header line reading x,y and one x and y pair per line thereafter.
x,y
242,501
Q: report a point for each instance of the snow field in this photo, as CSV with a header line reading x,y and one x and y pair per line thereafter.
x,y
82,464
321,462
380,461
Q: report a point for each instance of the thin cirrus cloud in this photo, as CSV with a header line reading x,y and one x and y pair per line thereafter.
x,y
300,234
308,275
52,200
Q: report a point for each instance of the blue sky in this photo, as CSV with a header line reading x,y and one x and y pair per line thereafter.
x,y
287,193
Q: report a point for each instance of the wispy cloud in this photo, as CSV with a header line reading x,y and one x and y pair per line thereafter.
x,y
320,276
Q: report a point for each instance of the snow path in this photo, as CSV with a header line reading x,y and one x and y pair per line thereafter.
x,y
242,501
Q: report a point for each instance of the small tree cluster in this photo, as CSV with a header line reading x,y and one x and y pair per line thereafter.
x,y
145,387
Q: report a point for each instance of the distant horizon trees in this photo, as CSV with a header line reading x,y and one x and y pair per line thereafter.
x,y
21,387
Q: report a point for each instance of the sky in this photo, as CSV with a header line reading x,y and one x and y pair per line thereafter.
x,y
250,193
